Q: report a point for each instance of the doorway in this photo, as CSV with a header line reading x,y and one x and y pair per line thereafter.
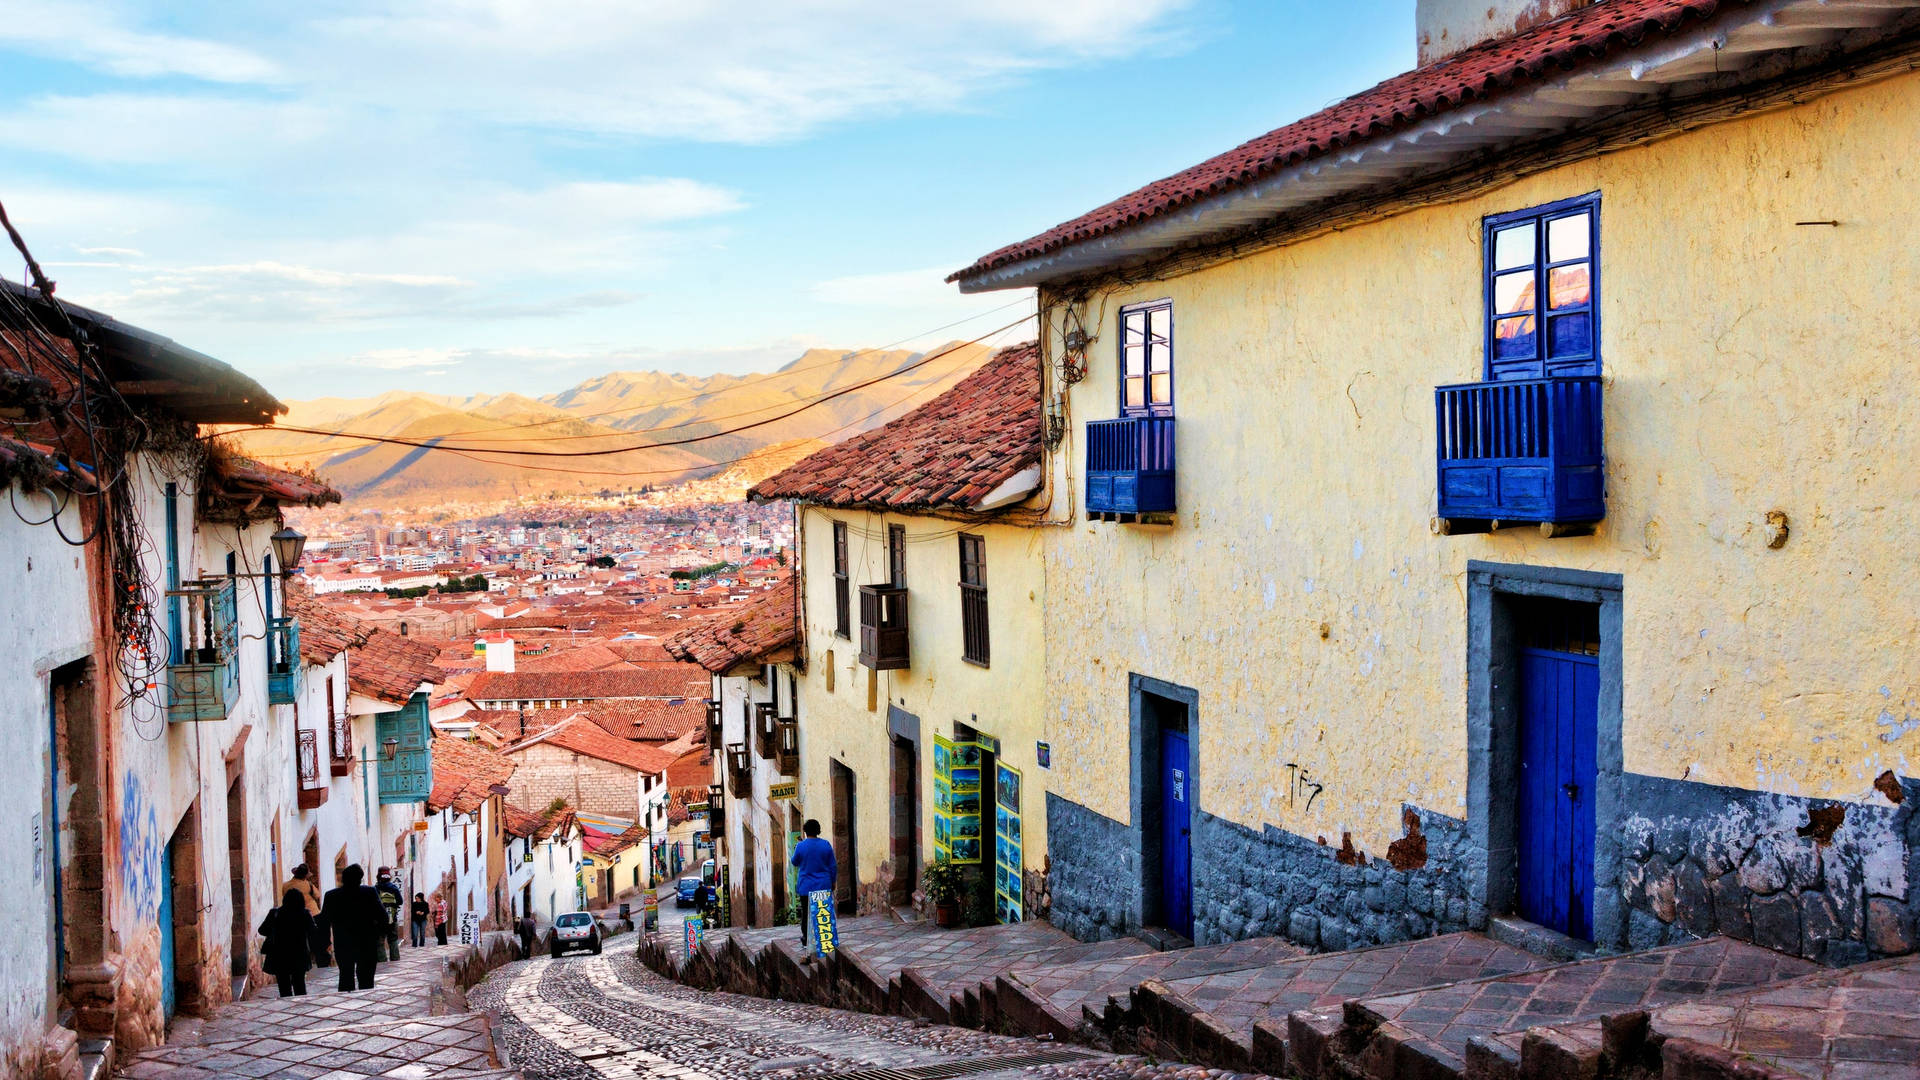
x,y
179,917
1543,744
1165,718
242,927
903,820
1558,658
846,889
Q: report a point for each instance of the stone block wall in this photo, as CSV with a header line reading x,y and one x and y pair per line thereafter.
x,y
1827,880
1094,876
547,773
1270,882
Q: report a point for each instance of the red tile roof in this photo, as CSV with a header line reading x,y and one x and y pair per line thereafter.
x,y
951,452
582,736
324,633
464,774
523,823
763,625
238,487
647,681
691,771
646,721
390,667
1550,50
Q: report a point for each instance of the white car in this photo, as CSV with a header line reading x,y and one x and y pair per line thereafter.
x,y
575,930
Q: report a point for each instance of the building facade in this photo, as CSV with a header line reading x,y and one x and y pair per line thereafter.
x,y
1531,547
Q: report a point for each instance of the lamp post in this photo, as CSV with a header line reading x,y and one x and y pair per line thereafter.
x,y
288,545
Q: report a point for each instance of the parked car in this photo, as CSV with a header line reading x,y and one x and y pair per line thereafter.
x,y
575,930
684,890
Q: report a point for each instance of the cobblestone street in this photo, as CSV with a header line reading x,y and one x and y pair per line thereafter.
x,y
593,1017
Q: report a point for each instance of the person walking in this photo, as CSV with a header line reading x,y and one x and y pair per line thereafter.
x,y
439,917
392,900
358,923
287,951
817,870
419,912
525,928
302,882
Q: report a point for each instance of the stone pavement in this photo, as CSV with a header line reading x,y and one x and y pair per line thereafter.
x,y
610,1018
961,990
388,1031
1859,1023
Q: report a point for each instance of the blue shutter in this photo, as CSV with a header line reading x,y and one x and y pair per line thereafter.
x,y
408,777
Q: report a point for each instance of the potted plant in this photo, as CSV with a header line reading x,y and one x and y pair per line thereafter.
x,y
941,883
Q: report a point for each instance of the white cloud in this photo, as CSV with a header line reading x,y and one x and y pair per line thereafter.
x,y
193,131
101,37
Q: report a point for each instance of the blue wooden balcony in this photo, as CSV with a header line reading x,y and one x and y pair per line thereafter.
x,y
1130,465
202,683
283,659
1521,450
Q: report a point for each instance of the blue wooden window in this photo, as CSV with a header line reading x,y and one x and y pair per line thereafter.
x,y
1543,290
1146,359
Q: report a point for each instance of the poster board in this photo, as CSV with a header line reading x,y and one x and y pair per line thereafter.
x,y
824,924
695,929
956,800
469,928
1009,904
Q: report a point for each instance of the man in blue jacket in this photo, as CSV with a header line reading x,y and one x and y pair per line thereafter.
x,y
817,871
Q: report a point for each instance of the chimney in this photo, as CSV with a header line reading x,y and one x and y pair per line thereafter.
x,y
499,654
1447,26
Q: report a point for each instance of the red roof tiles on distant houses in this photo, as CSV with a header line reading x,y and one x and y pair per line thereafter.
x,y
762,626
1550,50
582,736
952,452
649,681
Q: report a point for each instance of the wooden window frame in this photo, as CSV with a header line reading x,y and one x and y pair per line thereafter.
x,y
842,589
1143,313
897,556
1543,364
975,637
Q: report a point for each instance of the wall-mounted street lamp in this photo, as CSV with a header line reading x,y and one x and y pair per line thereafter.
x,y
390,747
288,545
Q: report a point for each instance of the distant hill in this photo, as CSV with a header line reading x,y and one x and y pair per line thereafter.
x,y
623,411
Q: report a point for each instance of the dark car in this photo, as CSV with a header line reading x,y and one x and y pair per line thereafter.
x,y
575,930
684,890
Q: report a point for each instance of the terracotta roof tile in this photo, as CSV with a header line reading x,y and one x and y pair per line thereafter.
x,y
464,774
582,736
324,633
947,453
391,667
670,680
761,626
1550,50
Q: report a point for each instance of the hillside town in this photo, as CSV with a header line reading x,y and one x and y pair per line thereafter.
x,y
1330,639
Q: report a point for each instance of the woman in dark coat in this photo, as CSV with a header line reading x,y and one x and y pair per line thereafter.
x,y
289,931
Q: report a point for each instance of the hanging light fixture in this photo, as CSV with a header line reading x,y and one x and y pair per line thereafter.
x,y
390,747
288,545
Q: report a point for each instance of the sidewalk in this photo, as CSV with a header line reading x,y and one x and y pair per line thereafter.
x,y
389,1031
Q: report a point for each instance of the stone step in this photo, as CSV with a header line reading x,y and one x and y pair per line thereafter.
x,y
1432,1032
1237,1019
956,991
1089,998
1839,1023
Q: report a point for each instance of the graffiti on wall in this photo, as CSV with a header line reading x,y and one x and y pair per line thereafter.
x,y
140,843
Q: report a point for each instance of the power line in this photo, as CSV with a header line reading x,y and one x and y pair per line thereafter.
x,y
435,442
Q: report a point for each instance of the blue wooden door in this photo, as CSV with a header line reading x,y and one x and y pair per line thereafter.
x,y
1560,697
1176,833
166,930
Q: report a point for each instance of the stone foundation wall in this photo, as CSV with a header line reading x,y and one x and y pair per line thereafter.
x,y
1830,881
1094,877
1269,882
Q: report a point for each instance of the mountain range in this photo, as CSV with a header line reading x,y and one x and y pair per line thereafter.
x,y
625,429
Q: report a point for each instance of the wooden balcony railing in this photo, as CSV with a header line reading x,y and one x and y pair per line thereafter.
x,y
1526,450
763,729
311,792
787,745
283,660
714,720
1130,465
739,771
202,681
716,811
883,627
340,744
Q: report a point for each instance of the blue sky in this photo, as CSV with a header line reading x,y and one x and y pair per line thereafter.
x,y
488,195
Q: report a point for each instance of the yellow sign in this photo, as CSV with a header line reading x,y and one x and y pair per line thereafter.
x,y
419,826
788,790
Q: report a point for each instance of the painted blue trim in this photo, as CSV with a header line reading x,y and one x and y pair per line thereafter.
x,y
173,571
1120,353
1543,364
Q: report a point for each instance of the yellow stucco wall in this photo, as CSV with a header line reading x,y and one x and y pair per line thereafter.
x,y
940,688
1750,364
